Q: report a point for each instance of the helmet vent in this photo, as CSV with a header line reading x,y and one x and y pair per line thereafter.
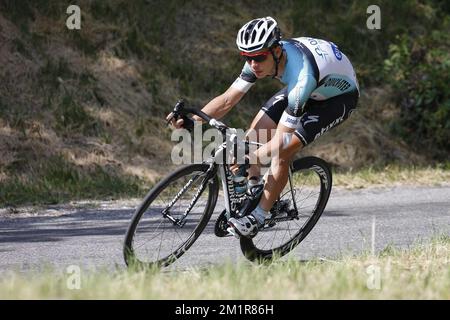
x,y
257,34
262,35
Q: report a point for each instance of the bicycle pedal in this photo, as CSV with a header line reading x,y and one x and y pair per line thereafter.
x,y
228,235
231,232
270,224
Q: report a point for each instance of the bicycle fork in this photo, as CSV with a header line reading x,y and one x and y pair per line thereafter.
x,y
180,222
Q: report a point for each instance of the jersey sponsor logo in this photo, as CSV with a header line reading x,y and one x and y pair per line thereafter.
x,y
289,121
340,84
331,125
292,120
299,45
278,99
317,49
321,53
298,107
310,119
337,52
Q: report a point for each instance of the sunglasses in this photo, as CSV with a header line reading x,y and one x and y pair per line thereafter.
x,y
258,57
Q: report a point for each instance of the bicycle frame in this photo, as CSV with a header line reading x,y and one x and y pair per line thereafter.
x,y
204,176
231,200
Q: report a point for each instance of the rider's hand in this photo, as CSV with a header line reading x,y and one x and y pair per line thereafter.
x,y
234,166
177,123
182,122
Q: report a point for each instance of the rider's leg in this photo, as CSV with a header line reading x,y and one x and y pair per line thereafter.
x,y
261,130
265,123
250,224
279,172
318,118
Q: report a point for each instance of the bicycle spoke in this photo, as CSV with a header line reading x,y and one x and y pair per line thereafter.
x,y
143,243
160,242
303,194
158,238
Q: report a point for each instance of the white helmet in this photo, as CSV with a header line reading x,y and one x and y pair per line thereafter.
x,y
258,34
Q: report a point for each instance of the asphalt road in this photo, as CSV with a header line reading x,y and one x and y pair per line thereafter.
x,y
91,236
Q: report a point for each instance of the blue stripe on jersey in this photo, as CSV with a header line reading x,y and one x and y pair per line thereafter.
x,y
308,55
333,85
300,77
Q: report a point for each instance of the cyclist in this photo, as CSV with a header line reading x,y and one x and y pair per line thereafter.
x,y
321,92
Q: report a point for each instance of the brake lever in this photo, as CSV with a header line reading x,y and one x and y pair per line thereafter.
x,y
173,116
176,111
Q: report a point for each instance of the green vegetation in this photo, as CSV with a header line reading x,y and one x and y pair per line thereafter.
x,y
419,70
111,83
419,272
57,180
392,175
71,116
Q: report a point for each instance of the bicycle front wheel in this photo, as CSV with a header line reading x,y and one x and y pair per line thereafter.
x,y
298,209
171,217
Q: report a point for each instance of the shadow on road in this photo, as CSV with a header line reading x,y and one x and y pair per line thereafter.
x,y
45,229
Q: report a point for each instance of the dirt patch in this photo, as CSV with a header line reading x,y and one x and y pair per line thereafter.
x,y
43,71
364,139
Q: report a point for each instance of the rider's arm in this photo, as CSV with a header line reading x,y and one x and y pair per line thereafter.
x,y
299,94
301,83
221,105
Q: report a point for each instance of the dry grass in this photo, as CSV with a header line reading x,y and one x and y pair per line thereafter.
x,y
392,175
364,139
420,272
119,78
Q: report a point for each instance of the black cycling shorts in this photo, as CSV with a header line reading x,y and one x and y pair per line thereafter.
x,y
318,117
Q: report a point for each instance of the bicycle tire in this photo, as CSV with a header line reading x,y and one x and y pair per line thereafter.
x,y
253,252
130,248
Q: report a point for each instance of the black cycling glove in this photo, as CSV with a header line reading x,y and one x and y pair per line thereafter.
x,y
188,123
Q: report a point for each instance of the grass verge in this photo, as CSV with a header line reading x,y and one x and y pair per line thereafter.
x,y
392,175
58,180
420,272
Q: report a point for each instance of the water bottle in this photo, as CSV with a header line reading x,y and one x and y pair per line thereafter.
x,y
255,186
240,181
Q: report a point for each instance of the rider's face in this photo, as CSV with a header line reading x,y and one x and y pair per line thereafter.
x,y
261,63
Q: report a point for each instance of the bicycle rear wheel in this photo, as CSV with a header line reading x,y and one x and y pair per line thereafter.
x,y
298,209
158,234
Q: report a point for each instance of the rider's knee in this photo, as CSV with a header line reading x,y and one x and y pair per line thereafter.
x,y
291,144
283,158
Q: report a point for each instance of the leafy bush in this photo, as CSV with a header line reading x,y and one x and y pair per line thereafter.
x,y
419,71
344,22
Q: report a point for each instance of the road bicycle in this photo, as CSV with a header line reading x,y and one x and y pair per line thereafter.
x,y
177,209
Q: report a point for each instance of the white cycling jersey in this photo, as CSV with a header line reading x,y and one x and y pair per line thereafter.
x,y
315,69
334,68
